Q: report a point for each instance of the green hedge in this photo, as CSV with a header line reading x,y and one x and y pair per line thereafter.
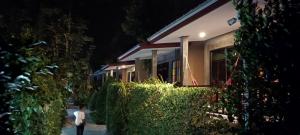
x,y
97,106
97,115
97,103
157,108
116,109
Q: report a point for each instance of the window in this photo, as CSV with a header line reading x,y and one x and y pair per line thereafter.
x,y
162,71
130,76
219,73
120,76
114,74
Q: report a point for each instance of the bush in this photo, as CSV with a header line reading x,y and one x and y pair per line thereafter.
x,y
39,112
97,104
116,108
157,108
36,100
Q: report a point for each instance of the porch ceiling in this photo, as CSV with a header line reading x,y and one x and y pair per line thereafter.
x,y
114,67
147,53
213,23
144,51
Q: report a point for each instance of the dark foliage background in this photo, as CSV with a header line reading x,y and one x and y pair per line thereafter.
x,y
115,25
265,92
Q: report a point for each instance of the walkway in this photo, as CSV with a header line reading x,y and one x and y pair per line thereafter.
x,y
90,127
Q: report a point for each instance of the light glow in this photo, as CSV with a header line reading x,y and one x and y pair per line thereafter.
x,y
123,66
202,34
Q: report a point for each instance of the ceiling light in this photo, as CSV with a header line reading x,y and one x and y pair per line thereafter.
x,y
202,34
123,66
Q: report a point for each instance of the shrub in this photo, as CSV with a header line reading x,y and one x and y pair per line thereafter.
x,y
35,98
39,112
93,101
97,104
156,108
116,108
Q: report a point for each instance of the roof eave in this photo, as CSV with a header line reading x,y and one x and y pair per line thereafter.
x,y
206,6
148,46
128,52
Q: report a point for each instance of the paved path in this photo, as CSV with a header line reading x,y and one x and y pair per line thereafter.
x,y
90,127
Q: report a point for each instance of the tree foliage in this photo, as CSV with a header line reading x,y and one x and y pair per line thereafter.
x,y
70,48
33,102
264,90
35,79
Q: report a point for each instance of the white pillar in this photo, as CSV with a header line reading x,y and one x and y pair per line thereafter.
x,y
107,75
111,73
154,63
184,45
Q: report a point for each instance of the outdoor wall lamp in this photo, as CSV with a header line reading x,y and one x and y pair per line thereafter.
x,y
232,21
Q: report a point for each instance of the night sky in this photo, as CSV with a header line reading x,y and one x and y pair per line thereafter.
x,y
104,19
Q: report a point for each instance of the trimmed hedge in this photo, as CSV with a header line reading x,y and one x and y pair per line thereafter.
x,y
97,106
97,103
116,109
157,108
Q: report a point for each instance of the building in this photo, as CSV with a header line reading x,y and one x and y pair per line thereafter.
x,y
190,50
123,71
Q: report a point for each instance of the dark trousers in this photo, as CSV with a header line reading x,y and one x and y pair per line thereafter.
x,y
80,129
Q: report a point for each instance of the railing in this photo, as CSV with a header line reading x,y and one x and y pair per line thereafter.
x,y
197,86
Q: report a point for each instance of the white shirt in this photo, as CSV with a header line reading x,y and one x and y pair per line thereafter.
x,y
79,117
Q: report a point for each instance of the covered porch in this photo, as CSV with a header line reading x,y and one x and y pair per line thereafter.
x,y
204,34
152,60
123,71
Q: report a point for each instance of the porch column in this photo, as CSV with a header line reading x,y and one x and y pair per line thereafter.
x,y
111,73
124,75
106,75
184,52
206,65
137,70
154,63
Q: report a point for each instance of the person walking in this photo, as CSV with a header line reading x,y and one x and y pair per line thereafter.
x,y
80,120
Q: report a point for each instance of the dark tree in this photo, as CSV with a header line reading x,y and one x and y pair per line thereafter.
x,y
144,17
26,71
265,93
